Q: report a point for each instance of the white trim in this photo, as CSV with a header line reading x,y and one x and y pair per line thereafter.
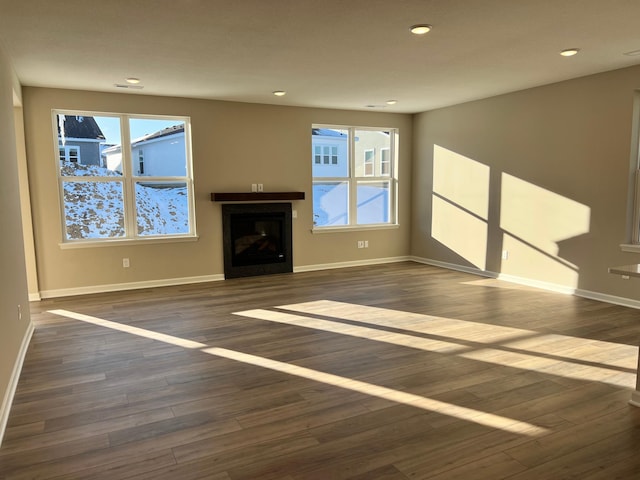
x,y
635,398
114,242
630,247
350,228
354,263
35,297
453,266
116,287
603,297
13,381
552,287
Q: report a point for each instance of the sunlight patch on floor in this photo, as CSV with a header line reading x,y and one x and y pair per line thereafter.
x,y
462,413
553,354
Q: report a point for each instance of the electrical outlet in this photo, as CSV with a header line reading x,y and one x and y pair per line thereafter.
x,y
294,214
254,187
360,243
505,254
125,263
260,187
366,244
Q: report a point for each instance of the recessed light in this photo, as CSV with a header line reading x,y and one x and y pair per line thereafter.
x,y
279,93
421,29
132,80
392,102
569,52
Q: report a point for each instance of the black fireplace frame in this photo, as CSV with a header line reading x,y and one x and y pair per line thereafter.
x,y
236,271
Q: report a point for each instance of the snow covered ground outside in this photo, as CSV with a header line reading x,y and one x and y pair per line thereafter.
x,y
330,204
96,209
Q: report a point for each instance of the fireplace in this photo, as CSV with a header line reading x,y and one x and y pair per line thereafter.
x,y
256,239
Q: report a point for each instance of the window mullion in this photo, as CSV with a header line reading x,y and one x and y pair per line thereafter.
x,y
353,183
128,190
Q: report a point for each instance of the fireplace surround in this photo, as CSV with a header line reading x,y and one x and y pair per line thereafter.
x,y
257,239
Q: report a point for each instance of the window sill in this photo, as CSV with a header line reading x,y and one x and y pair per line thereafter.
x,y
630,247
352,228
125,242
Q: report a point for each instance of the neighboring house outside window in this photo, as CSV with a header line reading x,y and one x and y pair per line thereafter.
x,y
126,192
360,189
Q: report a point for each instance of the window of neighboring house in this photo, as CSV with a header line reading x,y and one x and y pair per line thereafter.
x,y
140,162
105,197
69,153
325,155
385,162
352,194
369,156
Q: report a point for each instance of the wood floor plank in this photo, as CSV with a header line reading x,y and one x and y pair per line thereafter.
x,y
391,371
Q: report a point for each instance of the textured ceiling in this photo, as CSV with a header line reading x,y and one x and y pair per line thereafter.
x,y
346,54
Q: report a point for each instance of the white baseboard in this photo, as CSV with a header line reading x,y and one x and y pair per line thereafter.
x,y
35,297
13,381
635,398
115,287
354,263
626,302
552,287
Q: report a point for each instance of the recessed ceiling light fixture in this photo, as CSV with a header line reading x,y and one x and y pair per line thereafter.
x,y
569,52
279,93
421,29
132,80
392,102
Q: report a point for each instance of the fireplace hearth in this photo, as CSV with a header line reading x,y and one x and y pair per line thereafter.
x,y
256,239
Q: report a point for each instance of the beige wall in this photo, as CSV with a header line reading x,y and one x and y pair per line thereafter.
x,y
13,282
234,145
541,173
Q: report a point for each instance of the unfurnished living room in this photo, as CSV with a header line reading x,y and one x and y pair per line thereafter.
x,y
294,240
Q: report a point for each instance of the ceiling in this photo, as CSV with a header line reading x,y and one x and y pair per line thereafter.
x,y
348,54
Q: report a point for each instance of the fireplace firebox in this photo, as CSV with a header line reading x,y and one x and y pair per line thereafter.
x,y
256,239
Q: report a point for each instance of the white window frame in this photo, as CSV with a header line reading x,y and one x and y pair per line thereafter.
x,y
128,180
352,179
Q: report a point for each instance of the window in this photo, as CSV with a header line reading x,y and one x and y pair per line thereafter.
x,y
70,153
325,155
385,162
105,196
140,162
359,189
369,167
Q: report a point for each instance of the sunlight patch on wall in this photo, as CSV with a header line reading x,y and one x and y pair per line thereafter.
x,y
535,220
460,205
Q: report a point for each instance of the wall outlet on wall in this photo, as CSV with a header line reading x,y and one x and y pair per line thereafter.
x,y
260,187
366,244
254,187
294,214
505,254
125,263
360,243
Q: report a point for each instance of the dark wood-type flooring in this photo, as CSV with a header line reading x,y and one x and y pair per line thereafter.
x,y
389,372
